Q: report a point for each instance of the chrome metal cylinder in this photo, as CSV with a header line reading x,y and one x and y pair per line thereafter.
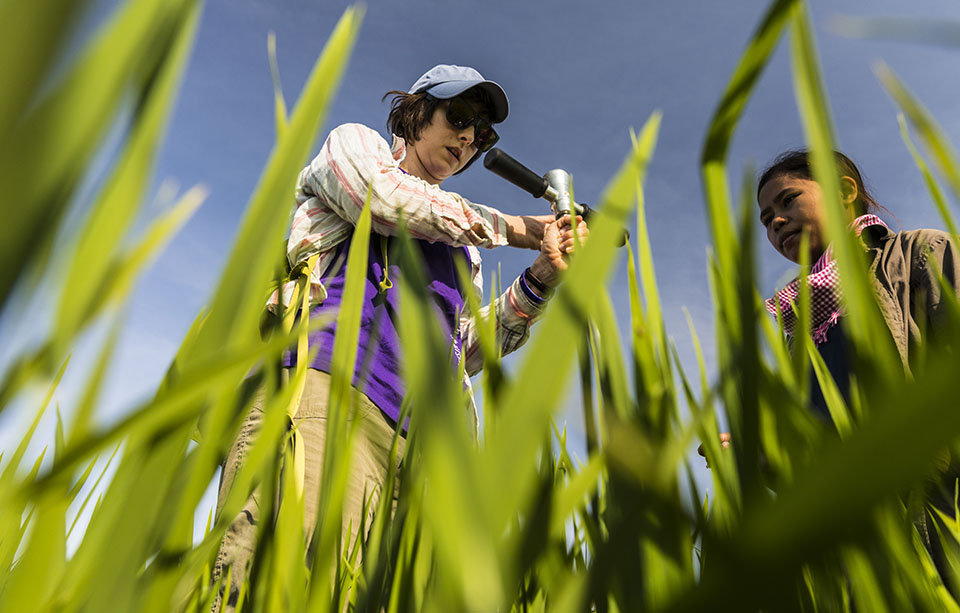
x,y
559,180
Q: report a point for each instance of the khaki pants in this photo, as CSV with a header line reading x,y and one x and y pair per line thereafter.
x,y
369,460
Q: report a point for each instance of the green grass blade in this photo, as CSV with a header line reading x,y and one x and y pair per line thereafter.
x,y
930,132
458,519
906,29
835,404
648,277
8,477
572,497
125,269
83,414
95,488
114,211
47,153
511,456
236,308
936,192
728,113
843,484
31,583
802,339
175,404
41,27
867,329
279,104
343,401
613,380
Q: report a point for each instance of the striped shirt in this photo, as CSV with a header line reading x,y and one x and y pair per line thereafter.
x,y
330,195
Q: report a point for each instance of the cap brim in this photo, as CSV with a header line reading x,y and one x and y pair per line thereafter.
x,y
501,106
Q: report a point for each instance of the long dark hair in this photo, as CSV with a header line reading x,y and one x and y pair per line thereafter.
x,y
796,163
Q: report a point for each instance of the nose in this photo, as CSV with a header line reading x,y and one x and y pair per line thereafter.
x,y
467,135
778,222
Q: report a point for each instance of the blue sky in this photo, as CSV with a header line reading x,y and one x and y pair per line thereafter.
x,y
579,76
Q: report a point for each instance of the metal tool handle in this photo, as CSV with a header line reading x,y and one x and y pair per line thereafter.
x,y
515,172
554,186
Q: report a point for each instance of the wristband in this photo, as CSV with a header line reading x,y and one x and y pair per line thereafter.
x,y
529,293
536,283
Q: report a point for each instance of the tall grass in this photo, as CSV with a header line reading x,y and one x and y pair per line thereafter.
x,y
507,522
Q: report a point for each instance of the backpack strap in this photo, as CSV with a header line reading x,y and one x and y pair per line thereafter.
x,y
385,282
299,303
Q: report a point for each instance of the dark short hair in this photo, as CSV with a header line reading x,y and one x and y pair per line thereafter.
x,y
796,163
411,113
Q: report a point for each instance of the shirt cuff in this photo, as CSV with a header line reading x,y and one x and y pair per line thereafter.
x,y
522,304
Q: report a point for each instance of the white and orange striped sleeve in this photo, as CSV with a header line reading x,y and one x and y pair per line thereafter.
x,y
355,159
514,313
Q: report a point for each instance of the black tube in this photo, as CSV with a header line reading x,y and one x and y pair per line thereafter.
x,y
515,172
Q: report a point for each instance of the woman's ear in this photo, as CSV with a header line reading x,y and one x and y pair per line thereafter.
x,y
848,191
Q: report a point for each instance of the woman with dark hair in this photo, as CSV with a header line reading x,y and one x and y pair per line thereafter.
x,y
439,127
904,266
904,270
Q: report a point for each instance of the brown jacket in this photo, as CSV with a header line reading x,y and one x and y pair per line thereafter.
x,y
904,272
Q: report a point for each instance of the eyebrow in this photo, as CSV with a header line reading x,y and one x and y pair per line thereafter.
x,y
780,196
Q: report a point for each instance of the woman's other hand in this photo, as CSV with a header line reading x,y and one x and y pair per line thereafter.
x,y
526,231
724,443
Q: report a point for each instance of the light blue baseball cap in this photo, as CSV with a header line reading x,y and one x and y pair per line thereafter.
x,y
445,81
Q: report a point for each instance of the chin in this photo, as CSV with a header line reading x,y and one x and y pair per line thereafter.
x,y
789,255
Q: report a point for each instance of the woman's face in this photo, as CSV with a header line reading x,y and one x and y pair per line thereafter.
x,y
441,149
788,206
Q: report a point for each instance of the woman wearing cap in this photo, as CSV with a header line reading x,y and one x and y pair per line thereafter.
x,y
439,128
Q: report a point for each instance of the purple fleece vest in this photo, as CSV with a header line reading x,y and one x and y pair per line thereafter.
x,y
379,374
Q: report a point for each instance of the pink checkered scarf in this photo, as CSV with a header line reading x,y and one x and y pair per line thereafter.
x,y
825,293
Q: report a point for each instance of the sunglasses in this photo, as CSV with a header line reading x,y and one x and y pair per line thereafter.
x,y
461,115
